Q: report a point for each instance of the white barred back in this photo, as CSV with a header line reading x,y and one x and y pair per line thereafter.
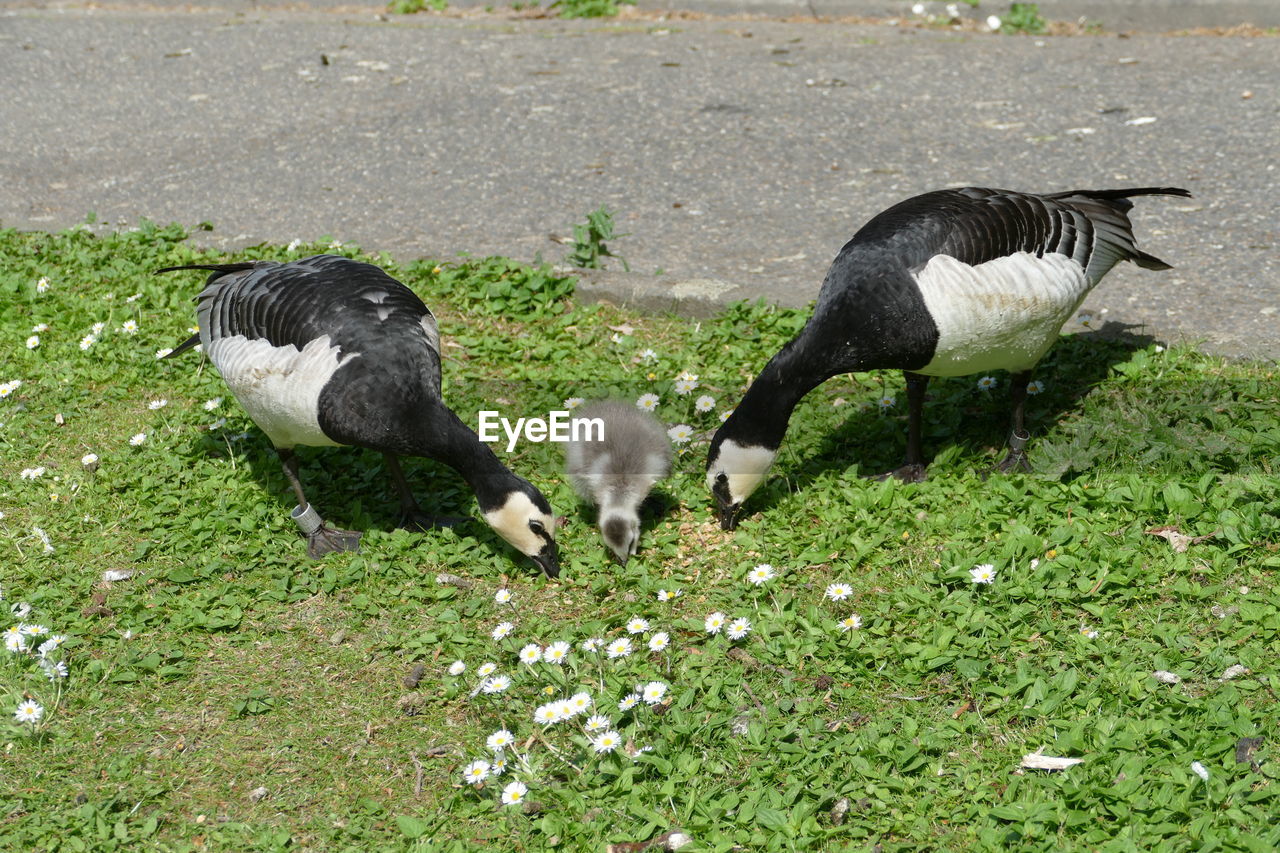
x,y
279,387
1000,315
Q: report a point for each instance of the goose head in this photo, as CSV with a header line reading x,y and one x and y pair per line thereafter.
x,y
524,519
733,473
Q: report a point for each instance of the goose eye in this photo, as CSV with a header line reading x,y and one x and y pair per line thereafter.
x,y
538,528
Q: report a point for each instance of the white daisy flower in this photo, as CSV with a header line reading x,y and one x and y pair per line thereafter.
x,y
548,714
499,765
738,628
29,711
986,383
157,404
637,625
33,342
15,642
33,630
579,703
761,574
502,596
52,642
21,609
556,652
619,648
496,684
500,740
32,473
40,327
129,327
97,328
685,386
850,623
839,591
162,352
54,671
629,701
457,668
724,416
530,654
1199,769
659,641
704,403
887,402
668,595
210,405
487,669
652,692
513,794
593,644
137,439
596,722
647,402
293,245
648,355
714,623
985,573
134,298
502,630
680,433
475,772
573,403
42,286
687,376
1086,320
616,337
90,461
1089,633
607,742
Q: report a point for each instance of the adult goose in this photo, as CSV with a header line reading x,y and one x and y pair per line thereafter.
x,y
948,283
616,468
329,351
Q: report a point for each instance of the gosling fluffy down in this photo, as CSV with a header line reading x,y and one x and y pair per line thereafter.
x,y
616,472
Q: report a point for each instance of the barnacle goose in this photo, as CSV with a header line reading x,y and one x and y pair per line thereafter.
x,y
948,283
329,351
616,470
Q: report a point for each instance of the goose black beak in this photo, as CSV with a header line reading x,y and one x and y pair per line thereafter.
x,y
548,559
728,514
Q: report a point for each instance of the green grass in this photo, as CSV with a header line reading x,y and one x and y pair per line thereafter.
x,y
228,662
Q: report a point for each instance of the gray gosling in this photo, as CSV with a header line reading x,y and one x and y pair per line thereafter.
x,y
617,472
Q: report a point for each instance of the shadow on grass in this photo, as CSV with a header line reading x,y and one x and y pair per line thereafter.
x,y
958,416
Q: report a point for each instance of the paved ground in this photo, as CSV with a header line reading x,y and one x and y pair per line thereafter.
x,y
739,155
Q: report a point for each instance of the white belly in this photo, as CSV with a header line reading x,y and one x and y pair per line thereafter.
x,y
278,386
1001,315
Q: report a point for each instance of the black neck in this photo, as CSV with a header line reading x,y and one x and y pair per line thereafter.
x,y
761,419
450,441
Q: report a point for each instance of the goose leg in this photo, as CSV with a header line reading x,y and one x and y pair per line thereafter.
x,y
411,515
1016,458
321,538
913,470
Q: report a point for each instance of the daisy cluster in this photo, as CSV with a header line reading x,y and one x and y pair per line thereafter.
x,y
31,648
570,688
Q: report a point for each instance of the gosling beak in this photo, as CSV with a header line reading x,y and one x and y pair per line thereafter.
x,y
548,559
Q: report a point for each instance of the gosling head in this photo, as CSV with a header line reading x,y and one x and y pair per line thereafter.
x,y
733,473
525,520
621,531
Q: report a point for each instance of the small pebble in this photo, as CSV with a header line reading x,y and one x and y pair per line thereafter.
x,y
1166,677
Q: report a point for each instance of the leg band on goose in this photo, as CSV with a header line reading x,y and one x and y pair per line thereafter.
x,y
307,519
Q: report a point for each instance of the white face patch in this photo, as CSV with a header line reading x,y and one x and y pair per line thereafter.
x,y
511,520
1001,315
279,387
743,467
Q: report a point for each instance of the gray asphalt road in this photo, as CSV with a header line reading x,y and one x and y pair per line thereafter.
x,y
744,152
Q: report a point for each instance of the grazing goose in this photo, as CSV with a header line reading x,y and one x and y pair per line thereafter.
x,y
948,283
616,471
330,351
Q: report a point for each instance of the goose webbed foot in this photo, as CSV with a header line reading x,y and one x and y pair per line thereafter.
x,y
328,540
321,538
1015,459
911,472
